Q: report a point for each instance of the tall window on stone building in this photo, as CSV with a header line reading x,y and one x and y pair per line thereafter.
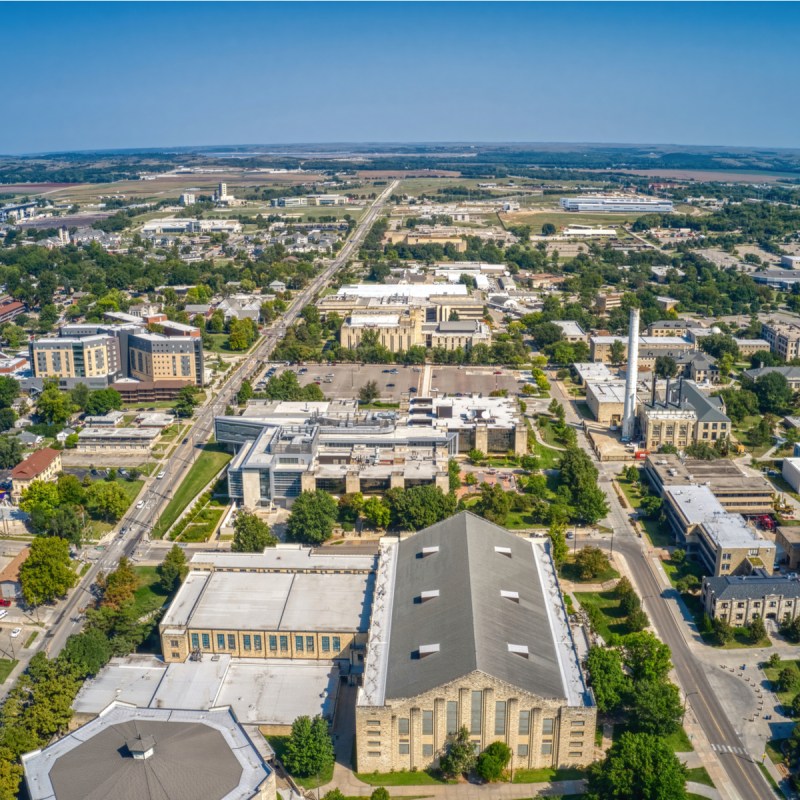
x,y
500,718
476,712
452,716
402,726
524,728
427,723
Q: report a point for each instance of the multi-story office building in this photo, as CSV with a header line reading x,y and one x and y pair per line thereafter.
x,y
783,338
724,542
617,203
99,355
469,630
285,603
737,491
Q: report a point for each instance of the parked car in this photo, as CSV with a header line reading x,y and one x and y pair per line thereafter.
x,y
16,632
140,504
3,613
160,475
4,601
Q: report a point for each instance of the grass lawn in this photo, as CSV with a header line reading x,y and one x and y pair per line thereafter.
x,y
607,618
569,571
278,744
770,780
210,461
785,698
31,639
658,532
774,749
547,433
98,527
678,742
699,775
219,344
548,775
402,778
6,667
149,596
547,458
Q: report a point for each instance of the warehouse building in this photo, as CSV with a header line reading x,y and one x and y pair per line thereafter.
x,y
469,629
617,204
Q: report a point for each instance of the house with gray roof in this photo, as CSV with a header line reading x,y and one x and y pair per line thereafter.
x,y
792,374
469,629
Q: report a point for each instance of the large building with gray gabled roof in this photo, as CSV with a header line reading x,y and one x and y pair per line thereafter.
x,y
469,630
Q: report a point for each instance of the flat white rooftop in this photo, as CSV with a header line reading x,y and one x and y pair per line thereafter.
x,y
595,371
373,320
260,691
285,557
402,290
275,601
608,391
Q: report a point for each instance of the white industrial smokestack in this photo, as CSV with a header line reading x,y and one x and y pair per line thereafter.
x,y
629,415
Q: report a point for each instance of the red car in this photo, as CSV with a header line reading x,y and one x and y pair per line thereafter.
x,y
5,602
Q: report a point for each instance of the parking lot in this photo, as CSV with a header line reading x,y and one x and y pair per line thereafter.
x,y
345,380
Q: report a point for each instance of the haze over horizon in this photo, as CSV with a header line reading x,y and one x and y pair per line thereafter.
x,y
136,76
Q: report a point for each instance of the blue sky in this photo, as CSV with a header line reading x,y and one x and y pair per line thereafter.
x,y
107,75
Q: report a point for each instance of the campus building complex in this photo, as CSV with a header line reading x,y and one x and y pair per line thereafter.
x,y
617,203
469,630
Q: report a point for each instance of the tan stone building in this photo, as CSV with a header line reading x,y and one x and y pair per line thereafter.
x,y
43,465
469,630
740,599
285,603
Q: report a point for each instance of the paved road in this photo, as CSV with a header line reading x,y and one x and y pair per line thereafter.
x,y
745,781
156,493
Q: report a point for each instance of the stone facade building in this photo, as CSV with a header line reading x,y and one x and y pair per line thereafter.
x,y
469,630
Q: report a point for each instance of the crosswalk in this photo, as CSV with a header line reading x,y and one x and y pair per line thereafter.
x,y
726,748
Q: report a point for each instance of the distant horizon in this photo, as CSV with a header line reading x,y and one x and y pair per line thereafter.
x,y
566,144
108,76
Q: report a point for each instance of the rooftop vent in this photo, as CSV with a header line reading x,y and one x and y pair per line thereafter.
x,y
429,551
509,595
504,551
518,650
428,649
428,594
141,747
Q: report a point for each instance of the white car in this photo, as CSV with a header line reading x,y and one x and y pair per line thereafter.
x,y
3,613
160,475
16,632
140,504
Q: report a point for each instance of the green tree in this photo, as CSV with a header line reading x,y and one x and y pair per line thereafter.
x,y
787,679
492,762
638,766
459,756
312,518
637,620
101,401
655,707
87,652
10,452
665,367
251,534
476,456
9,391
609,682
333,794
186,402
54,406
453,475
377,513
40,494
646,657
47,571
773,393
687,584
559,549
756,630
419,506
592,562
723,632
617,352
106,500
245,393
494,503
172,570
369,392
381,793
548,229
14,335
309,749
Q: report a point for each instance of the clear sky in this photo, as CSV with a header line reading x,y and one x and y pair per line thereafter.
x,y
107,75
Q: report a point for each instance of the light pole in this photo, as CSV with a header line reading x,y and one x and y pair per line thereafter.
x,y
685,700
